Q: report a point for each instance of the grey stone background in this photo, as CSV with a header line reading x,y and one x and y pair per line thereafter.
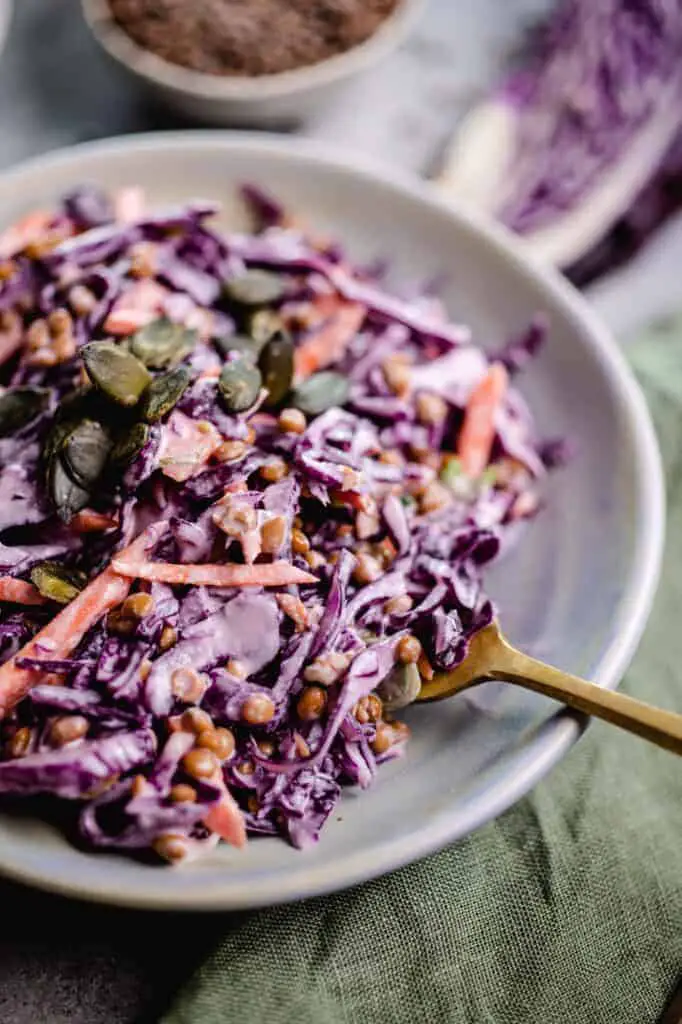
x,y
67,962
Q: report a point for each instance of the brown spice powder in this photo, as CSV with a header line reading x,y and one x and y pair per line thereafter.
x,y
249,37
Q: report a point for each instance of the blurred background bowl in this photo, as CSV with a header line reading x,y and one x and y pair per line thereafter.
x,y
270,100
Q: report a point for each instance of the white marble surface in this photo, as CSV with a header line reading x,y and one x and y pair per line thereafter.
x,y
62,962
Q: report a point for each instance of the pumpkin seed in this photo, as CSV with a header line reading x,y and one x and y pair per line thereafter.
x,y
240,343
58,582
320,392
130,444
116,372
400,688
276,364
162,343
263,325
239,384
255,288
67,496
164,393
18,406
84,451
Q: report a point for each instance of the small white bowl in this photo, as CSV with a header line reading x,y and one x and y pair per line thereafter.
x,y
268,100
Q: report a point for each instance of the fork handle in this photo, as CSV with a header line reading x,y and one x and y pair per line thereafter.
x,y
654,724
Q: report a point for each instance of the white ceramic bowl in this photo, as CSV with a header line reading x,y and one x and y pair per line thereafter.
x,y
576,591
266,100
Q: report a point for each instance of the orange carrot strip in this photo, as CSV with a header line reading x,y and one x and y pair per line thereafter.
x,y
274,574
186,446
477,434
19,591
226,818
65,631
329,344
89,521
31,228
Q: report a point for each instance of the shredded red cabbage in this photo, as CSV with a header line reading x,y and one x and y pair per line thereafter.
x,y
258,406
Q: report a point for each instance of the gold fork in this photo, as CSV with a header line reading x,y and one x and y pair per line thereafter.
x,y
492,657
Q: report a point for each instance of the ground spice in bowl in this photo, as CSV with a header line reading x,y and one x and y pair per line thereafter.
x,y
249,38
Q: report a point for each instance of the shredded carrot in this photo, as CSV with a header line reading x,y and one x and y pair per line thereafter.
x,y
187,445
137,307
19,591
31,228
273,574
65,631
330,342
89,521
226,818
477,434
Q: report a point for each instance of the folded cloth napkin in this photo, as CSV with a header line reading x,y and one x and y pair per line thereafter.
x,y
567,909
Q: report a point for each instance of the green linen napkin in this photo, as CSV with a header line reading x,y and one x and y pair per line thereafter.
x,y
567,909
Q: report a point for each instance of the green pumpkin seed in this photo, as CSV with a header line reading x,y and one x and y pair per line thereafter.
x,y
320,392
239,384
264,325
84,451
241,344
276,364
116,372
58,582
18,406
255,288
400,688
164,393
162,343
130,444
67,496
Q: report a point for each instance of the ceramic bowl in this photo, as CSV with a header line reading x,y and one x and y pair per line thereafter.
x,y
576,590
266,100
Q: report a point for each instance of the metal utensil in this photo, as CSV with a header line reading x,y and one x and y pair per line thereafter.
x,y
492,657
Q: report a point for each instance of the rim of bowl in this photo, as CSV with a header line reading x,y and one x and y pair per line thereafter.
x,y
119,45
538,754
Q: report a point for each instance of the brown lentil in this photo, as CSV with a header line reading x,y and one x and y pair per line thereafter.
x,y
187,685
374,706
383,739
195,720
235,668
82,300
431,409
273,534
311,703
138,606
367,568
145,669
274,470
246,768
226,37
220,741
292,421
315,559
397,375
398,605
59,321
295,609
258,709
67,729
37,336
139,785
266,747
119,623
168,638
299,542
361,713
143,261
18,744
252,804
183,793
302,748
200,763
408,649
230,450
171,848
